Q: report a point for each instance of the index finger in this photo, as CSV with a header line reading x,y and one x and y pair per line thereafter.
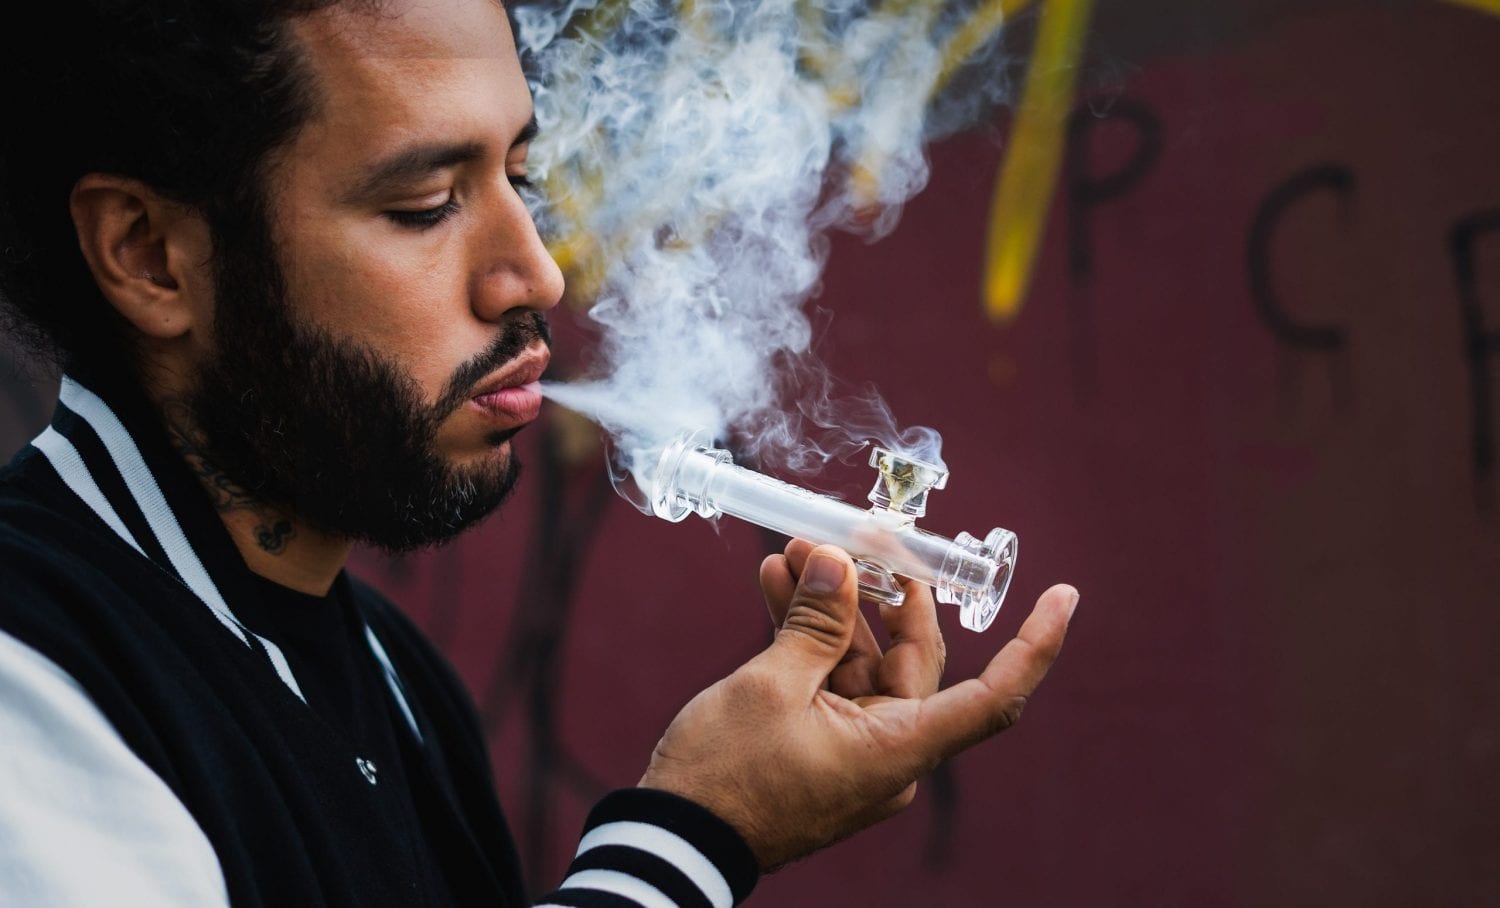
x,y
967,713
914,660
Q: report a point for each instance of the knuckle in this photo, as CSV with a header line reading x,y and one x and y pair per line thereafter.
x,y
805,617
1008,715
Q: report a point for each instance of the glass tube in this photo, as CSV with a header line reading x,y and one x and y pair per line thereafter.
x,y
973,574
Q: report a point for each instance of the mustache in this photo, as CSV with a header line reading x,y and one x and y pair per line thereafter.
x,y
519,334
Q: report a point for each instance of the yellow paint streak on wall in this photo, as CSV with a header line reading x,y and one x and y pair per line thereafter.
x,y
1028,178
1484,6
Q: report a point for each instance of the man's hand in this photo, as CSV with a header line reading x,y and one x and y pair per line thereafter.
x,y
822,734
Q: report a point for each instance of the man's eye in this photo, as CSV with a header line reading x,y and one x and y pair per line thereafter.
x,y
425,218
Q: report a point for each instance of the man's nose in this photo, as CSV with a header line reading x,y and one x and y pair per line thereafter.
x,y
515,268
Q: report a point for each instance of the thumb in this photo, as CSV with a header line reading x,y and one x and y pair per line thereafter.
x,y
820,621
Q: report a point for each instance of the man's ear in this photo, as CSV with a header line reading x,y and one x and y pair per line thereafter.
x,y
149,255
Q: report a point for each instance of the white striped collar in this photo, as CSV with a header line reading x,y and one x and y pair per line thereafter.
x,y
158,534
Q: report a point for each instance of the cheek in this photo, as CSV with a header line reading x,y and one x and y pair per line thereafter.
x,y
354,293
406,295
413,316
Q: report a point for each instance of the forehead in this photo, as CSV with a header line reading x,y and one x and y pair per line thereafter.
x,y
410,28
408,68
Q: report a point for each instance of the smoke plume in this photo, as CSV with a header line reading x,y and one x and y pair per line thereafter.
x,y
693,159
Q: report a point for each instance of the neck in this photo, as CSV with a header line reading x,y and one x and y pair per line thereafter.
x,y
273,541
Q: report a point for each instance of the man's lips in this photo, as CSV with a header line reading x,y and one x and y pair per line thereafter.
x,y
513,394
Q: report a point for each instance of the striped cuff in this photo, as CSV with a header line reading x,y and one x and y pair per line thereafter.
x,y
643,847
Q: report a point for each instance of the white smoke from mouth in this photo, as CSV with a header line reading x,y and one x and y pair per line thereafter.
x,y
706,161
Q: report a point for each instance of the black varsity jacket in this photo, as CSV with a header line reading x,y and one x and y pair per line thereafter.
x,y
183,731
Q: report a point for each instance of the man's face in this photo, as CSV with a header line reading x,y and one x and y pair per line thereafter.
x,y
371,364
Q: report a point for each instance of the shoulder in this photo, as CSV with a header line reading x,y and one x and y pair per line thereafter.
x,y
43,530
55,557
94,610
47,554
77,594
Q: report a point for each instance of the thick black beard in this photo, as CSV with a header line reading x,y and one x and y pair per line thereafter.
x,y
331,429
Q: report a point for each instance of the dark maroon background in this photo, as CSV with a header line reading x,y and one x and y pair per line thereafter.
x,y
1281,684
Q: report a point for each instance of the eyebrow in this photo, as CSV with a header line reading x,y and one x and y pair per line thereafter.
x,y
417,161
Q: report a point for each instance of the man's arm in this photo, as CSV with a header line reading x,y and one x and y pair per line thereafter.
x,y
83,820
822,734
656,849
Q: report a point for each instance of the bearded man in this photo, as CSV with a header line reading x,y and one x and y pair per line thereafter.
x,y
279,251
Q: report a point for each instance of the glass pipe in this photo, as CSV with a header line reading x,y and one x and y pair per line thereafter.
x,y
692,477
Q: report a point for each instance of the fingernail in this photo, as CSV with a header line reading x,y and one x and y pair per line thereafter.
x,y
1073,603
823,574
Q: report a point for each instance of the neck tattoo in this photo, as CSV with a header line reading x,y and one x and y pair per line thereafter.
x,y
273,529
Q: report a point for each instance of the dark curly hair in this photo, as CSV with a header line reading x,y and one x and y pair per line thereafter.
x,y
188,96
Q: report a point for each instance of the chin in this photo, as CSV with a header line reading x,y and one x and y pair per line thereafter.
x,y
495,463
499,451
499,440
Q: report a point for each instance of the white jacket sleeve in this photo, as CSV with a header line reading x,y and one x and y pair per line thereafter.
x,y
82,820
